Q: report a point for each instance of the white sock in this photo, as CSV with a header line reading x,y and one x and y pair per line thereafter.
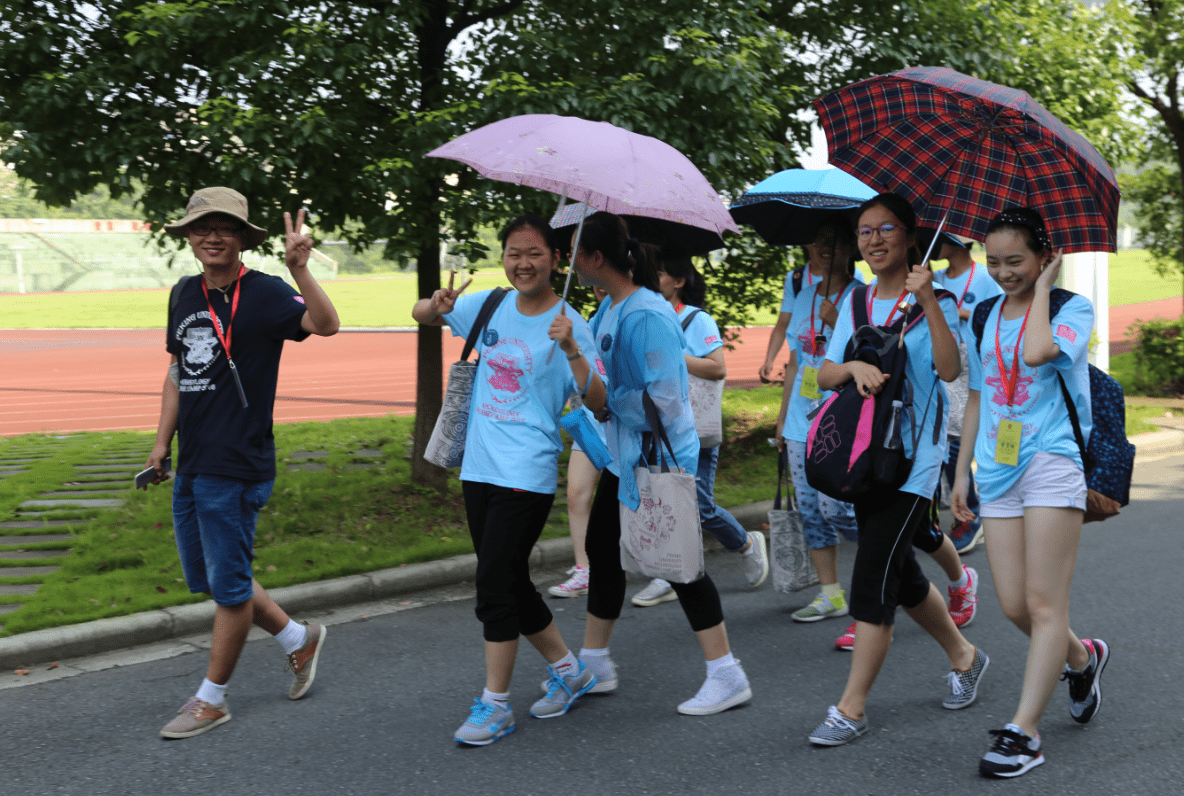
x,y
568,665
587,653
292,637
719,663
501,700
962,582
212,693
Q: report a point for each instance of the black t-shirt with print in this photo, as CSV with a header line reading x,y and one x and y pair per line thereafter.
x,y
216,435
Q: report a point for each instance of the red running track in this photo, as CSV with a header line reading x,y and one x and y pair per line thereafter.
x,y
110,379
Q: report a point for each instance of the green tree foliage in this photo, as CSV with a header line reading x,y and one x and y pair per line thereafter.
x,y
1155,31
17,201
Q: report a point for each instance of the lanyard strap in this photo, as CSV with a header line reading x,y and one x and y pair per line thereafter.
x,y
1008,380
969,279
225,341
871,303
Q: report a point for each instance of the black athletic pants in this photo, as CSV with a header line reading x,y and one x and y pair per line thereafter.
x,y
505,525
606,580
886,572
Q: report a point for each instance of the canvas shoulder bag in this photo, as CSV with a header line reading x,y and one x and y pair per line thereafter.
x,y
707,398
662,538
446,446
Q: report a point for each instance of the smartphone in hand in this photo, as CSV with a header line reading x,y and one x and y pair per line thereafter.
x,y
144,477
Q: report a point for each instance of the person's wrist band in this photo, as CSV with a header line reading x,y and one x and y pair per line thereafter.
x,y
576,355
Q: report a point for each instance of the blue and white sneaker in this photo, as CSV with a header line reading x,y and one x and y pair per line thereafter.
x,y
562,692
966,535
486,723
1012,754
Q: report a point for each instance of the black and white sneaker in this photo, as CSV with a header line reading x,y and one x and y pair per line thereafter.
x,y
1012,754
1085,687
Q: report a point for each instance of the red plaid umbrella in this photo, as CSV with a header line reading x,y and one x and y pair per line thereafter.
x,y
949,142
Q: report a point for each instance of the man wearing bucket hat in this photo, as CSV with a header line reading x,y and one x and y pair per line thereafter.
x,y
226,330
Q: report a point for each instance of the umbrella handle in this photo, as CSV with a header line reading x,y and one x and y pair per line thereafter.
x,y
924,260
567,284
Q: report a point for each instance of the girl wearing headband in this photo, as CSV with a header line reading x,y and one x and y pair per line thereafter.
x,y
1030,475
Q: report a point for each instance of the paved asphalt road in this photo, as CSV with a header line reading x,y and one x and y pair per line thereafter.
x,y
393,687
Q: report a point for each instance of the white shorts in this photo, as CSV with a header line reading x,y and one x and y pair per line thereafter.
x,y
1051,480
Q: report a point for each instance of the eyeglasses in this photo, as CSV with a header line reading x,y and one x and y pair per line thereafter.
x,y
223,230
885,230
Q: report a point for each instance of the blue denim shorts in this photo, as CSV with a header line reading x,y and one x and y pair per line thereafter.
x,y
214,522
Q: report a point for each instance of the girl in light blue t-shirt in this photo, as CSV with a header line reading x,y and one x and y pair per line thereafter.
x,y
683,286
812,320
534,351
1030,474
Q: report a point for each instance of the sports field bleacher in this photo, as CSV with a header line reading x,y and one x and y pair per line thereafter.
x,y
65,261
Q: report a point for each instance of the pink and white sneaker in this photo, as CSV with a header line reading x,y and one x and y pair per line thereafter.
x,y
847,640
575,586
964,602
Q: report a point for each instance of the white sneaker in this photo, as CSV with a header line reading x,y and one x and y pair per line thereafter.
x,y
756,560
727,688
575,586
659,591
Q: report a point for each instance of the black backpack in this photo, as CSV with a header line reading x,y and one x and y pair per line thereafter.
x,y
854,444
1109,458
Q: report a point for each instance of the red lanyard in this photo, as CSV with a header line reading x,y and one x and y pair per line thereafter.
x,y
679,308
809,276
871,303
225,341
1008,380
969,279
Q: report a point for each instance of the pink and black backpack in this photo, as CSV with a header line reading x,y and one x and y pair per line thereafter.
x,y
854,445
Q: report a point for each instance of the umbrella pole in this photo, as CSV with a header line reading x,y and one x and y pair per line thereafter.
x,y
925,260
571,269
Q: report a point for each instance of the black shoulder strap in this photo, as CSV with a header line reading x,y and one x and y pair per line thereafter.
x,y
859,308
175,294
687,320
487,309
796,280
658,436
978,321
1057,299
1073,417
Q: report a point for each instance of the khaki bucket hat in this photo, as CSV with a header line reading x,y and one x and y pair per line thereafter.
x,y
218,200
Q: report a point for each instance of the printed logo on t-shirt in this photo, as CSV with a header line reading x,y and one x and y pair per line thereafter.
x,y
600,367
201,349
490,337
299,299
970,298
1067,333
510,361
606,342
711,339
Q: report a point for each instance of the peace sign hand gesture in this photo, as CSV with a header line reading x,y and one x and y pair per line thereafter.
x,y
297,247
444,299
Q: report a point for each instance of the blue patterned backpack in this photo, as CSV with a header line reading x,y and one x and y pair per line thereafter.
x,y
1109,457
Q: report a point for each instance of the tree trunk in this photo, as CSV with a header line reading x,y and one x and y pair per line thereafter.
x,y
429,356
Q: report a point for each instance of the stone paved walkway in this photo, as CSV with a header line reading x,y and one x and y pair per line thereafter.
x,y
100,483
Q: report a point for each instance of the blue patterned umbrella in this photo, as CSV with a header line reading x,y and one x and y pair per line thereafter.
x,y
787,208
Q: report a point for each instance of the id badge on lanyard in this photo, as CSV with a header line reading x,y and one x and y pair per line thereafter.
x,y
225,340
1011,432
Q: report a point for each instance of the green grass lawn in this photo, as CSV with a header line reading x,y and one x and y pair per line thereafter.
x,y
339,521
386,301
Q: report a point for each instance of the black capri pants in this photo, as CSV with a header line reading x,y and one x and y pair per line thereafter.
x,y
505,525
606,580
886,571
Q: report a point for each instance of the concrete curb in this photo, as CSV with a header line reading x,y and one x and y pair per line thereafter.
x,y
1157,444
106,635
